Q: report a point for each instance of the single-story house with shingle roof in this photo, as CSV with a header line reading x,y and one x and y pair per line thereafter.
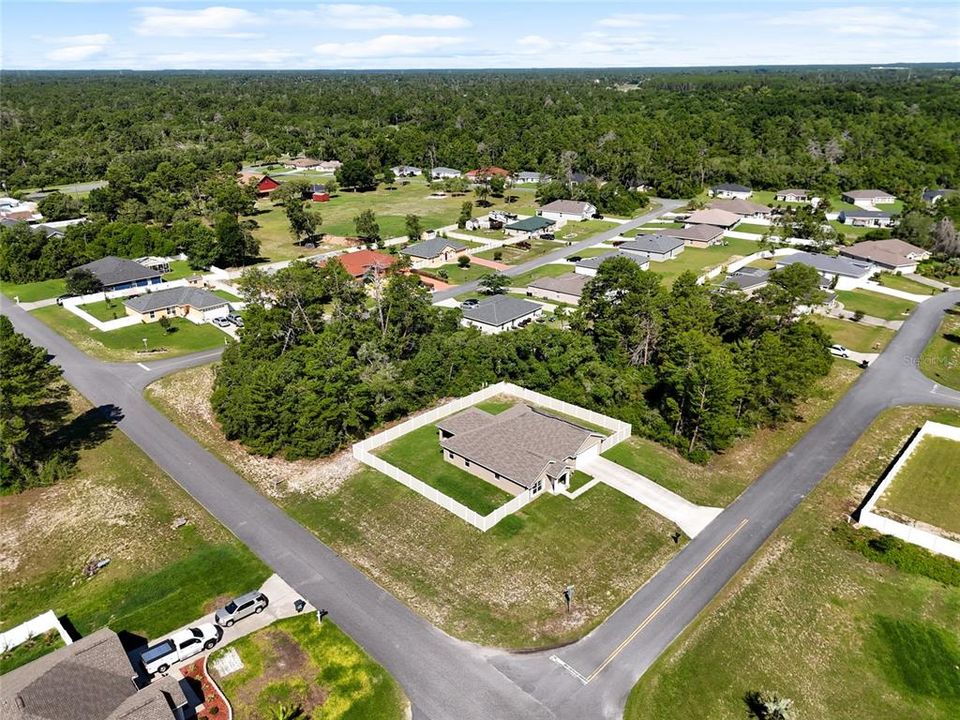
x,y
589,266
654,247
866,218
194,304
406,171
443,173
849,274
433,252
567,210
932,197
730,190
90,679
717,218
500,312
120,274
562,289
522,448
744,208
797,195
526,177
533,225
364,263
895,255
874,197
698,236
747,279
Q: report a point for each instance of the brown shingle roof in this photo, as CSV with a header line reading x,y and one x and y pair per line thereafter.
x,y
739,207
891,253
719,218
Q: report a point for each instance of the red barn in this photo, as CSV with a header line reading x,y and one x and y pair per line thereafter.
x,y
319,193
266,185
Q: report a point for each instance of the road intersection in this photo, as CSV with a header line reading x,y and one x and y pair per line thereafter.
x,y
448,678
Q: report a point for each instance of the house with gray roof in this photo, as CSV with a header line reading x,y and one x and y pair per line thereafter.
x,y
841,273
933,196
522,448
90,679
567,210
589,266
406,171
654,247
195,304
444,173
730,190
120,274
433,252
866,218
747,280
561,289
870,197
526,177
794,195
500,312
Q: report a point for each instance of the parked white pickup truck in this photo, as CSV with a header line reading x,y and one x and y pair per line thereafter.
x,y
180,646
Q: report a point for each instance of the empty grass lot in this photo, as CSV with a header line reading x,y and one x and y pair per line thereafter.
x,y
875,304
926,488
855,336
32,292
418,453
576,231
851,231
753,228
316,667
459,275
551,270
513,255
126,343
593,252
941,358
117,505
899,282
814,620
700,260
725,476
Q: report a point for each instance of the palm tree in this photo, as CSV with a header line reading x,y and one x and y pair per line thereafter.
x,y
287,712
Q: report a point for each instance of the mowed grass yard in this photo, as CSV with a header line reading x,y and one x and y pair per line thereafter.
x,y
875,304
513,255
316,667
814,620
32,292
940,360
390,206
900,282
126,344
700,260
419,453
574,232
927,487
118,506
502,587
855,336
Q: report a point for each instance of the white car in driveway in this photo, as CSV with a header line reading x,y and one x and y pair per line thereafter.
x,y
840,351
180,646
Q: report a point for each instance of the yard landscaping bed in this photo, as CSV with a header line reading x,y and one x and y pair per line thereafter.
x,y
126,344
813,619
927,487
302,664
855,336
875,304
30,650
119,506
940,360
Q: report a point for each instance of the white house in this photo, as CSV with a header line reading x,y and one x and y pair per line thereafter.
x,y
848,274
730,190
443,173
794,195
406,171
866,218
499,313
869,197
529,178
567,210
657,248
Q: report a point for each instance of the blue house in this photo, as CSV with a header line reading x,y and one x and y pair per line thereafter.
x,y
119,274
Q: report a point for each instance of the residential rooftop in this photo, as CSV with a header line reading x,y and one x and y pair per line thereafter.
x,y
112,270
531,224
596,261
429,249
197,298
828,264
499,310
567,207
569,284
656,244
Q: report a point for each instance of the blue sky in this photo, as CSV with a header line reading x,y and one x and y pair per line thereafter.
x,y
276,34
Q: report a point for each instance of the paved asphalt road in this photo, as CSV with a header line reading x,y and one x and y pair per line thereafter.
x,y
444,677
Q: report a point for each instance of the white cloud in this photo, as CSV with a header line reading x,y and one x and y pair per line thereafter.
x,y
634,20
861,21
377,17
74,53
387,46
208,22
94,39
223,59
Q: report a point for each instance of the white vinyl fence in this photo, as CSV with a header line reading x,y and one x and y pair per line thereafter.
x,y
909,533
73,304
735,265
619,431
33,628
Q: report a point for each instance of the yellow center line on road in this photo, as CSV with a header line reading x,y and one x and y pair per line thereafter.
x,y
666,601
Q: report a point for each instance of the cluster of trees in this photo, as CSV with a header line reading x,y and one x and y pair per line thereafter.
x,y
611,197
316,369
159,137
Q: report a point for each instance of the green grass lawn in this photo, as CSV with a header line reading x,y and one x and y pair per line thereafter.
x,y
812,619
700,260
940,360
576,231
458,275
179,269
592,252
106,310
551,270
418,453
926,488
229,297
578,480
485,234
855,336
725,476
312,666
126,343
875,304
30,650
32,292
753,228
391,207
899,282
117,505
850,231
513,255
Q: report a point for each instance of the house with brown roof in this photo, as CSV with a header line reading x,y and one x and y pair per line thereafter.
x,y
562,289
567,210
894,255
743,208
485,173
870,197
697,236
91,679
794,195
522,448
718,218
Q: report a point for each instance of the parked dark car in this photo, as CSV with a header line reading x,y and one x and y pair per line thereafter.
x,y
548,236
597,216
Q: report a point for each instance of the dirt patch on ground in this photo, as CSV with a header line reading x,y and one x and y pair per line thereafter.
x,y
187,396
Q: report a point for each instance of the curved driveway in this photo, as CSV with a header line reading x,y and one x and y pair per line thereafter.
x,y
447,678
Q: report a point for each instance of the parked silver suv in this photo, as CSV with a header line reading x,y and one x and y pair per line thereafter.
x,y
240,607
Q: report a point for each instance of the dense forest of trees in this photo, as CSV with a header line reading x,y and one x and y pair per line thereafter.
x,y
689,367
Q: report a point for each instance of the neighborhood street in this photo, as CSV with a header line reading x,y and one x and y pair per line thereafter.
x,y
447,678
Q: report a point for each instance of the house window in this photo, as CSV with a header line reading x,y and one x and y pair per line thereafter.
x,y
537,487
496,476
450,454
152,314
466,463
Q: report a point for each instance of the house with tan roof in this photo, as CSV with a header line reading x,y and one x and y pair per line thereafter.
x,y
795,195
522,448
744,208
698,236
894,255
718,218
730,190
562,289
567,210
870,197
